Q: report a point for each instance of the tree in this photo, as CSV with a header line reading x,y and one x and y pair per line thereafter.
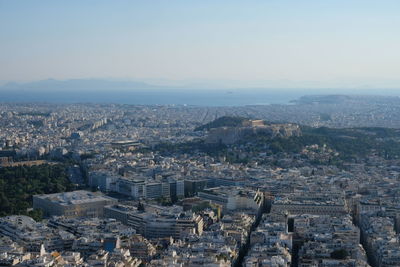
x,y
339,254
140,206
36,214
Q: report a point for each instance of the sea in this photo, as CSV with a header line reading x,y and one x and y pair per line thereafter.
x,y
208,97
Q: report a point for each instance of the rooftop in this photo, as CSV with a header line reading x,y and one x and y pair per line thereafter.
x,y
74,198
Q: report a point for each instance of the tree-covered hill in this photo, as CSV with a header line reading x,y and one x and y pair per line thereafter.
x,y
349,143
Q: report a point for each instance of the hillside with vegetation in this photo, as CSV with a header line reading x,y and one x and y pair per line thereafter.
x,y
349,143
342,145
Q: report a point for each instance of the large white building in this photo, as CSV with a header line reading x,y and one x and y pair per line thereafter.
x,y
332,204
73,204
136,187
234,198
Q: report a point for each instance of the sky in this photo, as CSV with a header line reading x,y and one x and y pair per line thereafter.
x,y
281,43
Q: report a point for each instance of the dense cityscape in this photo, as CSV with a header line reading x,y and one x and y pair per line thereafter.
x,y
200,133
313,183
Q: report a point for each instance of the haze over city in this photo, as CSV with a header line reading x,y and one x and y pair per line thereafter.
x,y
210,44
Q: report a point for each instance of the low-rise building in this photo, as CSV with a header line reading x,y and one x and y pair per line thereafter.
x,y
312,203
156,221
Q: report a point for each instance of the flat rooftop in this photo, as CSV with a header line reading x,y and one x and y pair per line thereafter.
x,y
74,198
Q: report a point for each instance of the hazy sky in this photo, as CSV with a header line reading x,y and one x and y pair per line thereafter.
x,y
321,42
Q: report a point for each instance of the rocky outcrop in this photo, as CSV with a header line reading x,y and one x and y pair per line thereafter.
x,y
231,135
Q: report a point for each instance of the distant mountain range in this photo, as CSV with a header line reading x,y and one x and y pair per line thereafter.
x,y
141,93
90,85
51,85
